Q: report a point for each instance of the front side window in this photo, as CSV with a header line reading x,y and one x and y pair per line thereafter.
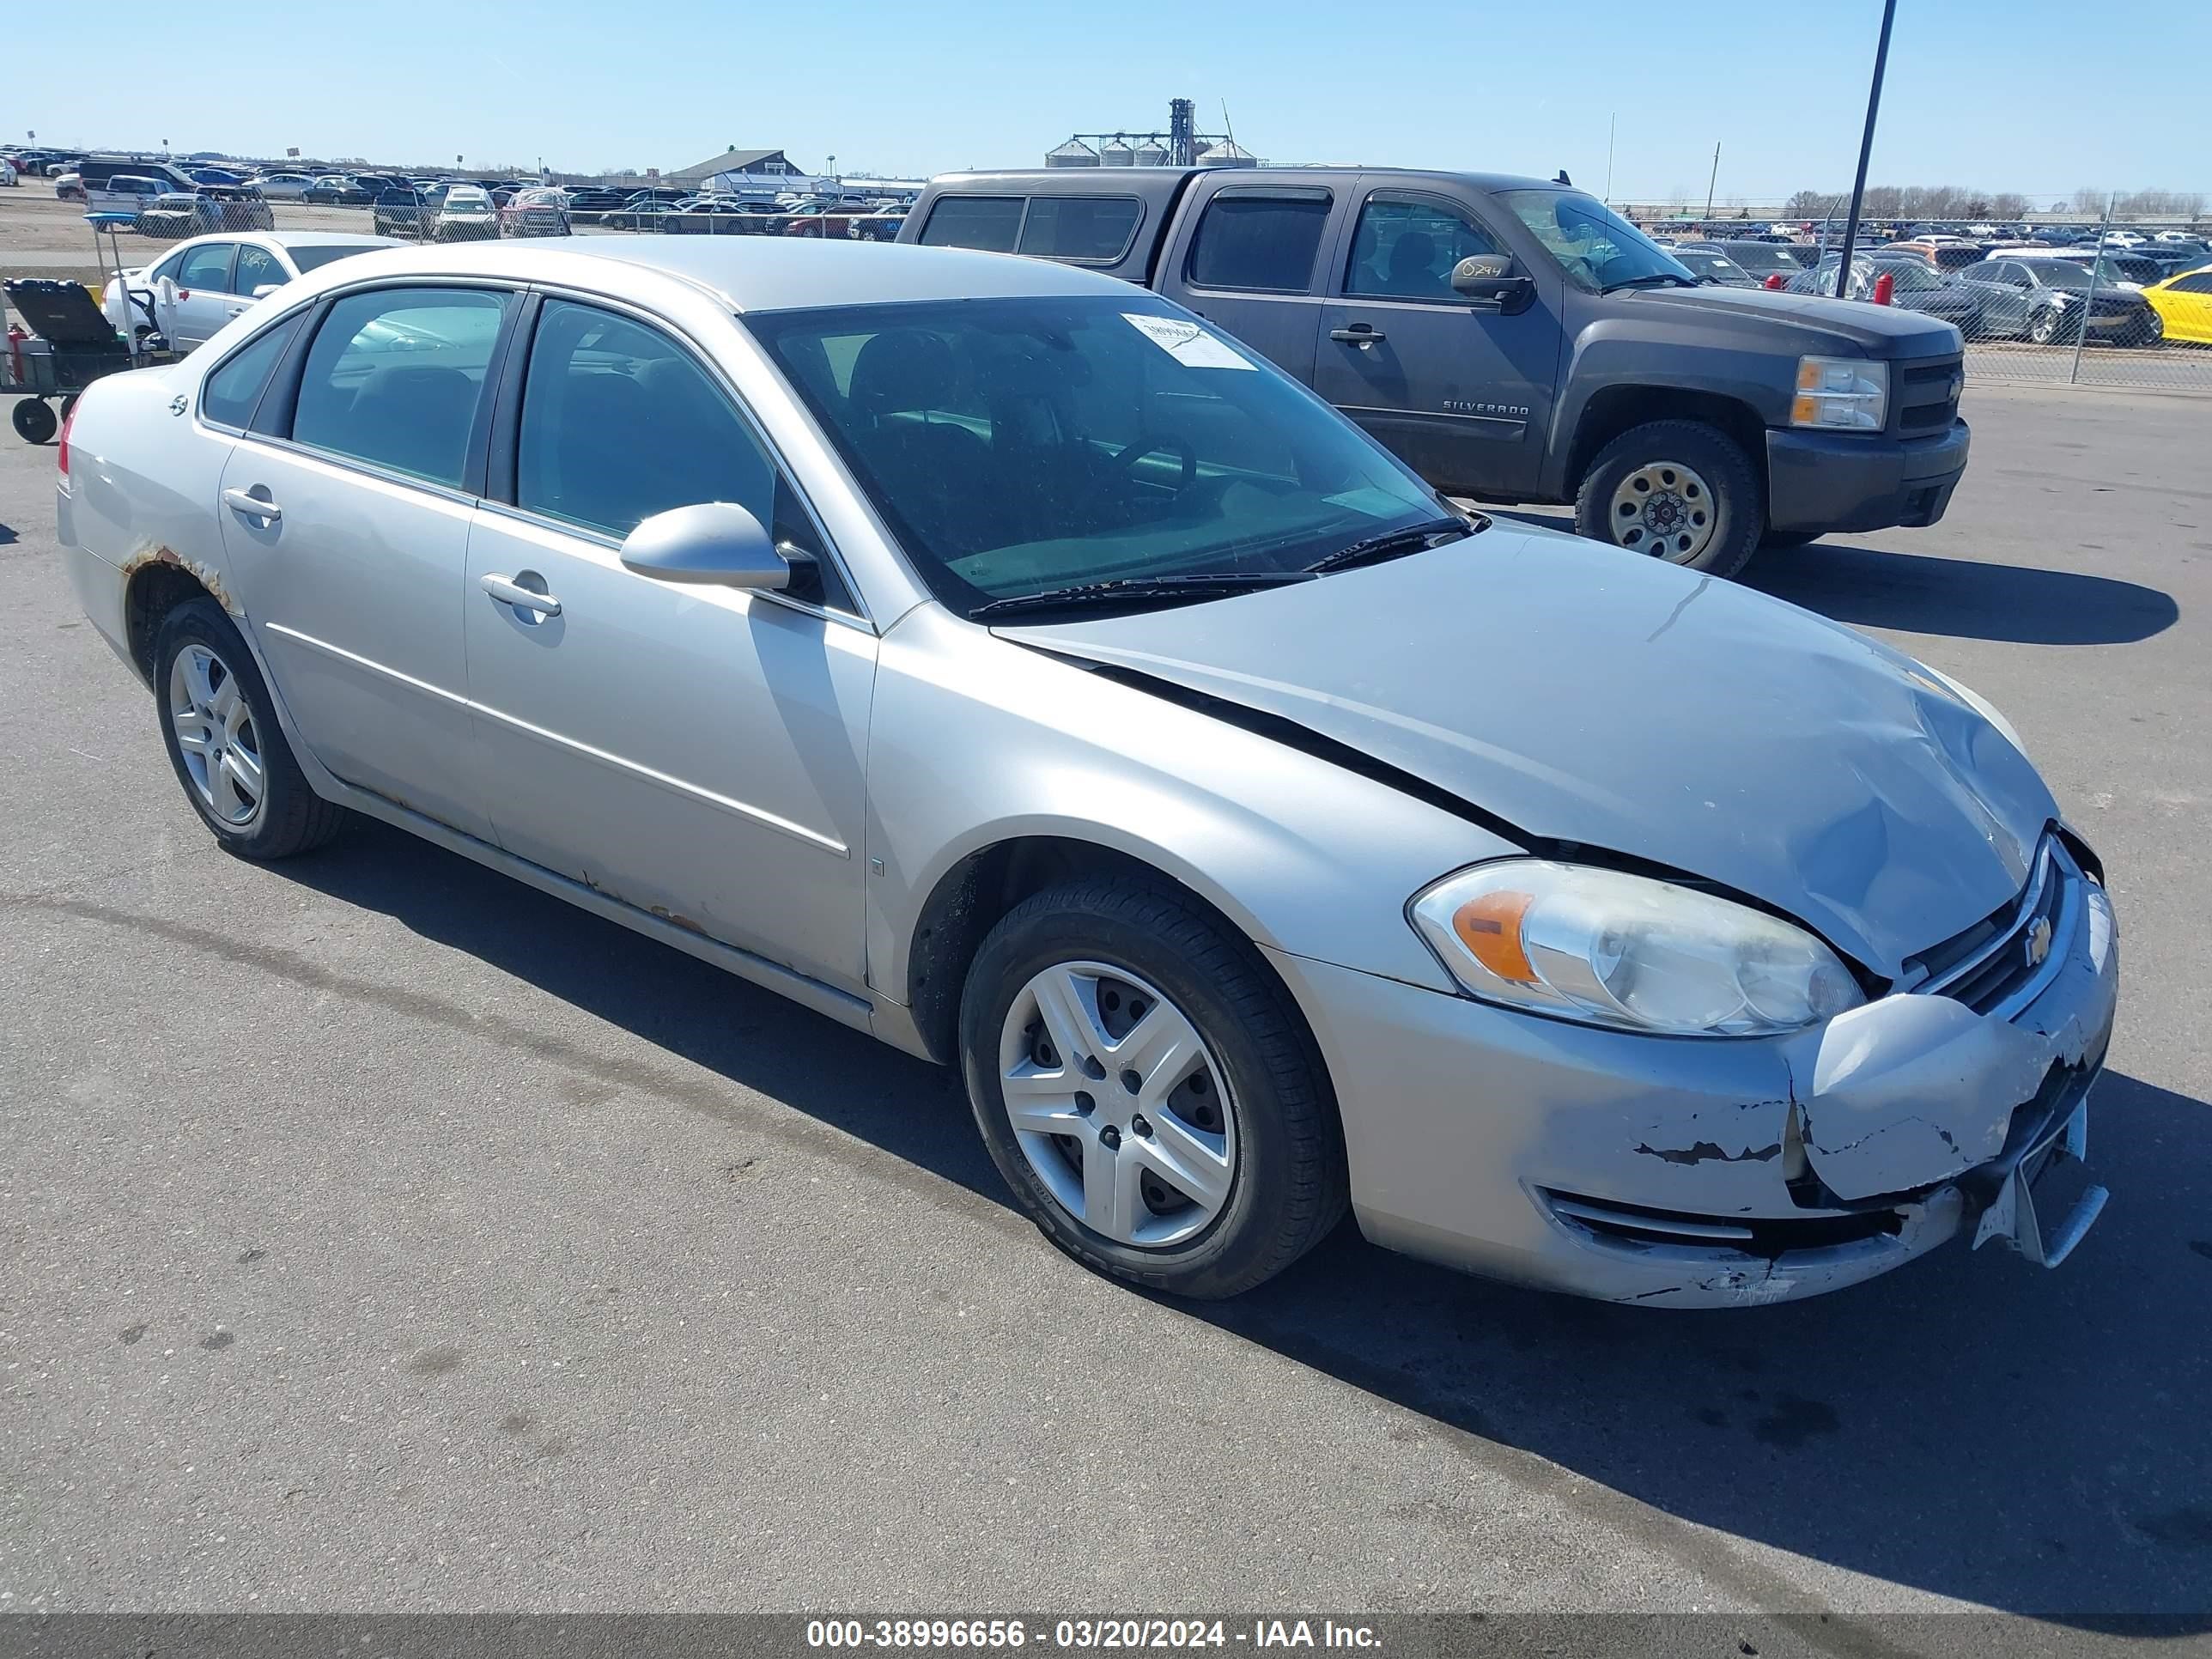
x,y
1265,243
1595,246
1406,247
620,422
990,223
257,268
395,376
1018,446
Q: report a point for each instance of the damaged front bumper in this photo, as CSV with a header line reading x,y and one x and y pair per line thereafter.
x,y
1692,1172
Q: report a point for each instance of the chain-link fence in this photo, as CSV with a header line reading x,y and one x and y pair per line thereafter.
x,y
2086,301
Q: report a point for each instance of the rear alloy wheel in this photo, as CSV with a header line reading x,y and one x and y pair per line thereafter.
x,y
220,730
1677,490
1148,1090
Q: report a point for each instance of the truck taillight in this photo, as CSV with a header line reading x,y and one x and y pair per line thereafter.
x,y
68,421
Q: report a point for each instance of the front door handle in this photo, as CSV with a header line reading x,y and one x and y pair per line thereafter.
x,y
253,506
1358,334
508,590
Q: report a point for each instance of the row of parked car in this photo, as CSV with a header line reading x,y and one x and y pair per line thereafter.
x,y
2138,293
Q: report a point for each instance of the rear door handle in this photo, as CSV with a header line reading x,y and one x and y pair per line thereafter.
x,y
1358,334
253,506
508,590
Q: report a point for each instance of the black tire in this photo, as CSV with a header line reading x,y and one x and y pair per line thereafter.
x,y
293,818
1738,495
1782,541
1288,1186
2048,327
35,422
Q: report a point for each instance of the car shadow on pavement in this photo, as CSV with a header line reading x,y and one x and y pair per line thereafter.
x,y
2033,1442
1968,599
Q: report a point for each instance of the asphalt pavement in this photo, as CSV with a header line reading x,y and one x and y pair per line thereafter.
x,y
382,1235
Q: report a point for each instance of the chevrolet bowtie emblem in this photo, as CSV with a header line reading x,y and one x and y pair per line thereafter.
x,y
2039,941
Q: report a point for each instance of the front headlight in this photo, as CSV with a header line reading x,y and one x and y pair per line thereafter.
x,y
1848,393
1610,949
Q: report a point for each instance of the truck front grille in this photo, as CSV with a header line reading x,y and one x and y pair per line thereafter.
x,y
1924,394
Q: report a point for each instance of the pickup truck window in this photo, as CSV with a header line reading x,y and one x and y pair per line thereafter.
x,y
1268,243
1406,247
990,223
1015,446
1083,229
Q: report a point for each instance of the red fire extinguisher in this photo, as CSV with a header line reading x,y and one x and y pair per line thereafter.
x,y
1884,286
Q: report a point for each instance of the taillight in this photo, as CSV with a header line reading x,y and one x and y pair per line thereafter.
x,y
68,421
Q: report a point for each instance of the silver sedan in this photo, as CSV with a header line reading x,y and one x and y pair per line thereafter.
x,y
995,657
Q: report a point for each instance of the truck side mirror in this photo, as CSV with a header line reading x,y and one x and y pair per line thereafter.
x,y
1492,282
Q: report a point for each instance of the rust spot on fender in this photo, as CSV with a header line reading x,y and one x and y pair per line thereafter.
x,y
206,575
683,922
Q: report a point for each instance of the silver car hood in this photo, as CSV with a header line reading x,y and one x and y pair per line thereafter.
x,y
1584,694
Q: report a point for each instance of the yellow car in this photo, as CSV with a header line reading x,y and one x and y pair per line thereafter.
x,y
2184,304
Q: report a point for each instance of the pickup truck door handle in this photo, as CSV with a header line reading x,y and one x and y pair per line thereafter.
x,y
508,590
253,506
1358,334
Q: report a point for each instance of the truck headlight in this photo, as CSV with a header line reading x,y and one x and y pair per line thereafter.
x,y
1610,949
1848,393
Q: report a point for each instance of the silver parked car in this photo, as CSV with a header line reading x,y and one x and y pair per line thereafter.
x,y
995,657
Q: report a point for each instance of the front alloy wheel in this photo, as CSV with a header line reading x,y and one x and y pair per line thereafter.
x,y
1118,1104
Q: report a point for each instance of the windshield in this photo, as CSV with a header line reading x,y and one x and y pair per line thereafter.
x,y
1911,276
1594,246
1718,267
1018,446
2060,273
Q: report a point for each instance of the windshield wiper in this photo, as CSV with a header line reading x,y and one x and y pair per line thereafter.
x,y
1416,538
1646,281
1137,590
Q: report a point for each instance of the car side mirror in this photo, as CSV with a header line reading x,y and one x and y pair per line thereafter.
x,y
1492,282
715,543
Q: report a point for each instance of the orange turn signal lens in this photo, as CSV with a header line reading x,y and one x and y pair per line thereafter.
x,y
1490,928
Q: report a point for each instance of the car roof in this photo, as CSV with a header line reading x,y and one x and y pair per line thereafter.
x,y
754,273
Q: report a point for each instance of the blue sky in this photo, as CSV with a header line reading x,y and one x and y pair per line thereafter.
x,y
2034,95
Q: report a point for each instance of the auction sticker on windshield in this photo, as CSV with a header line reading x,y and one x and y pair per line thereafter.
x,y
1186,342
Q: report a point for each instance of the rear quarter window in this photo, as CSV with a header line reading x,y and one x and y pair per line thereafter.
x,y
1087,230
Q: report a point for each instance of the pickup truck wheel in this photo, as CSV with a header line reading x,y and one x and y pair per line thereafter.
x,y
1148,1090
1677,490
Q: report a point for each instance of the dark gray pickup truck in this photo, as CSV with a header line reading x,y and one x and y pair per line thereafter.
x,y
1517,341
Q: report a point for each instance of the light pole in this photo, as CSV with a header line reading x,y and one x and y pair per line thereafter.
x,y
1866,148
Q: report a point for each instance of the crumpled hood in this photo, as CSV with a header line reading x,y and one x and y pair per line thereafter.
x,y
1583,694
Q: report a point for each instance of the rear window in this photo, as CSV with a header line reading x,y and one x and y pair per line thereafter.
x,y
315,258
990,223
1264,242
1093,228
